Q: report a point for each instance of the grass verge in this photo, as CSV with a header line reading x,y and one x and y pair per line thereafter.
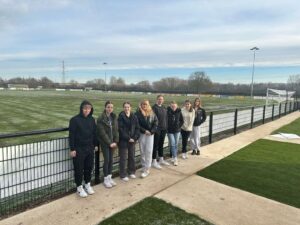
x,y
292,128
152,211
266,168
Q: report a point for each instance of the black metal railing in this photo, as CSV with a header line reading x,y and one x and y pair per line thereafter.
x,y
35,173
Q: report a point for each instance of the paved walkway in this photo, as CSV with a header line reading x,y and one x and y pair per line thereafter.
x,y
214,202
272,138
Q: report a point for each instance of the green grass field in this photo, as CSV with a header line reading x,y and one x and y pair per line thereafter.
x,y
38,110
152,211
267,168
33,110
292,128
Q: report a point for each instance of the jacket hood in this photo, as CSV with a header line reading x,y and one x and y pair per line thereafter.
x,y
83,103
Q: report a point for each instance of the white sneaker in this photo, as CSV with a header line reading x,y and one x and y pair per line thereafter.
x,y
184,156
145,173
132,176
155,164
89,189
107,183
111,180
125,179
163,162
81,192
175,162
172,160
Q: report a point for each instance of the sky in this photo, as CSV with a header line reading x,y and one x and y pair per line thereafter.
x,y
149,40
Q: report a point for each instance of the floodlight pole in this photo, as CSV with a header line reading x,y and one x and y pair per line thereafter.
x,y
254,49
105,63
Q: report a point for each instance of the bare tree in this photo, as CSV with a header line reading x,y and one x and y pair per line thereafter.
x,y
199,81
96,83
294,82
144,85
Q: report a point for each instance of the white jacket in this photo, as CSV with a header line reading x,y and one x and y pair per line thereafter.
x,y
188,119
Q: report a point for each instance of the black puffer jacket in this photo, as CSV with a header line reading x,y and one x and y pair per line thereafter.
x,y
82,130
200,117
161,113
128,127
175,120
149,123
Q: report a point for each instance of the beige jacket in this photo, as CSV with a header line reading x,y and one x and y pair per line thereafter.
x,y
188,119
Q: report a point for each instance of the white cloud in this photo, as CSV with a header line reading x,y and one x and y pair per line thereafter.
x,y
148,34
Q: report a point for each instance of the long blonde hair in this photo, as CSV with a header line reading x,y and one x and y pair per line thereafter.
x,y
148,110
200,103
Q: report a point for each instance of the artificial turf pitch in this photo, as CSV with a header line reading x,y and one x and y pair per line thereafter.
x,y
267,168
152,211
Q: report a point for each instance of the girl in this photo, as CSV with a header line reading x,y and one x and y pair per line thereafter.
x,y
82,139
108,136
148,125
129,132
188,114
175,121
200,117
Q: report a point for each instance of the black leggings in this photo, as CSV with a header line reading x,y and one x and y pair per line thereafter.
x,y
83,165
185,136
158,146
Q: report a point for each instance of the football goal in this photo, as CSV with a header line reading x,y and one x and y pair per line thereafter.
x,y
278,95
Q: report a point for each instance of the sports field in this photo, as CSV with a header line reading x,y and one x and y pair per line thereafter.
x,y
266,168
34,110
39,110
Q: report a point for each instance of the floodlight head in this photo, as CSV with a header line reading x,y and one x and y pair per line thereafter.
x,y
254,48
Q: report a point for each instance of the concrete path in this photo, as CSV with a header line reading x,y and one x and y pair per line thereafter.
x,y
73,210
224,205
294,141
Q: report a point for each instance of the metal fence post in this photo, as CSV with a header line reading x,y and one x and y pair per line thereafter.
x,y
285,108
97,166
279,113
264,114
273,112
252,117
235,121
210,127
290,109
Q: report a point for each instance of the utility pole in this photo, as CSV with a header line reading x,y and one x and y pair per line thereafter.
x,y
105,88
63,73
254,49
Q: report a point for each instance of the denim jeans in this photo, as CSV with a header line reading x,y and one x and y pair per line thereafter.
x,y
173,143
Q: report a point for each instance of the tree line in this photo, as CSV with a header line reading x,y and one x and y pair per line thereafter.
x,y
198,82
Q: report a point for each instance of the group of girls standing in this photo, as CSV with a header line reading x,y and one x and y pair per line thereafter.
x,y
148,126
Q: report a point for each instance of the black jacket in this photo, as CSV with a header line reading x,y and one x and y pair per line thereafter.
x,y
82,130
149,123
128,127
161,113
175,120
200,117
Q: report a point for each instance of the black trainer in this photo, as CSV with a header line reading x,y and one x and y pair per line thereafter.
x,y
198,153
194,152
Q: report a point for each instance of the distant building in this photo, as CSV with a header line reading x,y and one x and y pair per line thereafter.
x,y
18,87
